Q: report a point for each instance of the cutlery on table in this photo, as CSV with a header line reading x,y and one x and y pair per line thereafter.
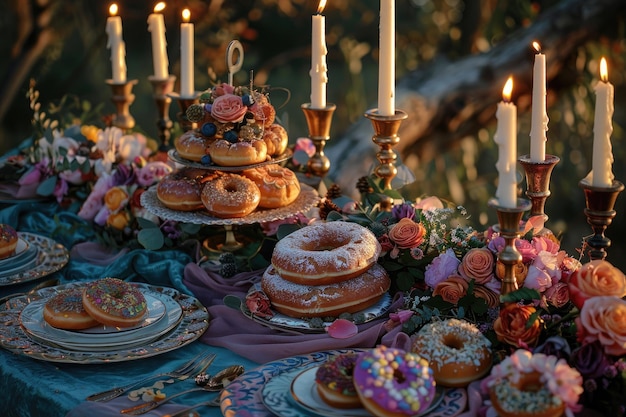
x,y
215,384
196,365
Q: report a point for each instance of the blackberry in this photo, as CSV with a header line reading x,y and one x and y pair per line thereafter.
x,y
228,270
226,258
195,113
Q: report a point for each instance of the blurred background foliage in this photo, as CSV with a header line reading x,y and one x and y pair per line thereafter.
x,y
61,44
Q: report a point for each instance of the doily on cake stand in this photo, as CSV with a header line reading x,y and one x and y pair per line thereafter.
x,y
307,199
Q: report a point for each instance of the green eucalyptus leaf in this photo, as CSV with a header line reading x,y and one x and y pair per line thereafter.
x,y
146,224
334,216
520,295
232,302
151,239
286,229
46,188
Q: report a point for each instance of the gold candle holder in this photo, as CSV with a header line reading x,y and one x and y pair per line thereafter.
x,y
162,88
600,214
538,182
386,137
183,104
123,98
319,122
509,225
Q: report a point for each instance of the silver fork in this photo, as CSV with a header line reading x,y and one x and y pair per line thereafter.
x,y
196,365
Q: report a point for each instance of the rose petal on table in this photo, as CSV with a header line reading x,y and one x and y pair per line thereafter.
x,y
342,329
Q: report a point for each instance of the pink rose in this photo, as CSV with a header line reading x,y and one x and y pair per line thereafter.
x,y
527,250
223,88
228,108
441,268
407,234
259,304
152,172
596,278
537,279
385,244
452,289
478,264
558,294
429,203
603,318
545,243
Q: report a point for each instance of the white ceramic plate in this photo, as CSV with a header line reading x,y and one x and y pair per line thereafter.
x,y
21,255
50,257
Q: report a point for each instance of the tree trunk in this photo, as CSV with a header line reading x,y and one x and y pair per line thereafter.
x,y
447,101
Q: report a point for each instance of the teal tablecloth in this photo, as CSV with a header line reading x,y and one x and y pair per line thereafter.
x,y
30,387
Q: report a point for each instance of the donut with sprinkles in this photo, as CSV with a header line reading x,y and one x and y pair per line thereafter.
x,y
114,302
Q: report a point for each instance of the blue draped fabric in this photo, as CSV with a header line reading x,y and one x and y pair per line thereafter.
x,y
30,387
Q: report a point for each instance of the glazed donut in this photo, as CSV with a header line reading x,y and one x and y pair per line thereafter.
x,y
181,190
192,145
8,241
240,153
334,381
393,383
230,195
349,296
276,139
65,311
325,253
279,186
114,302
456,350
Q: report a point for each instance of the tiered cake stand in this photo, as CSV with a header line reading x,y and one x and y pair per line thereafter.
x,y
307,199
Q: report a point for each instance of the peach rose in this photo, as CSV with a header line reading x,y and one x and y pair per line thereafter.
x,y
520,269
478,264
115,199
491,297
603,318
558,294
228,108
407,234
595,278
511,326
452,289
118,220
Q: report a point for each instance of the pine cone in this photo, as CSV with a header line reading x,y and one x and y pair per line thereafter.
x,y
195,113
334,191
326,207
363,185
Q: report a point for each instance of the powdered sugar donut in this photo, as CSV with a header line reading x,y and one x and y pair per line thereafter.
x,y
230,195
192,145
393,383
456,350
325,253
349,296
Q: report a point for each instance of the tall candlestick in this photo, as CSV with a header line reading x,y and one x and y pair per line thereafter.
x,y
117,45
539,121
386,59
156,26
319,71
506,138
187,88
602,162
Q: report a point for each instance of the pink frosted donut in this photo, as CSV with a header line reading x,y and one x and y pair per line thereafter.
x,y
325,253
393,383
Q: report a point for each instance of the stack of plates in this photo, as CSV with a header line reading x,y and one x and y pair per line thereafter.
x,y
164,314
24,258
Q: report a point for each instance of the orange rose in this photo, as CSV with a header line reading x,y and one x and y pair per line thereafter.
x,y
118,220
115,199
478,264
511,326
452,289
407,234
491,298
603,318
520,269
596,278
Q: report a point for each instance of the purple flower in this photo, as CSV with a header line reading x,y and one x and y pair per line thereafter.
x,y
124,175
555,346
590,360
496,244
441,268
403,210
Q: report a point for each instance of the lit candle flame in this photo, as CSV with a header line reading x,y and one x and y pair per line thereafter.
x,y
507,90
604,71
537,46
113,9
160,6
186,15
321,6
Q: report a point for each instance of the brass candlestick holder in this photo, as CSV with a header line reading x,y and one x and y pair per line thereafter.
x,y
386,137
162,88
319,122
600,214
509,223
123,98
183,104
